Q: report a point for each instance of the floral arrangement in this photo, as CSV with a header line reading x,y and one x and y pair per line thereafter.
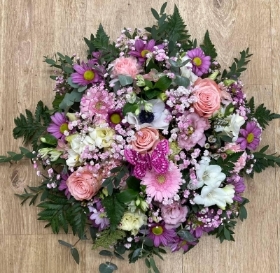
x,y
146,145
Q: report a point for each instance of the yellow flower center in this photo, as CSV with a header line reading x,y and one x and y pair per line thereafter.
x,y
63,127
190,130
161,179
197,61
115,118
157,230
250,138
89,75
144,52
98,105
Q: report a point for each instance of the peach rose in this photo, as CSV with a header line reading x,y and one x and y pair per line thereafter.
x,y
83,185
208,97
146,140
127,66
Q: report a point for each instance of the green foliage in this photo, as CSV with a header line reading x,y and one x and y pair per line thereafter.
x,y
33,194
263,160
263,115
14,157
238,66
62,62
114,210
242,210
186,235
107,267
101,43
60,212
74,251
114,181
225,231
31,127
108,238
208,47
251,105
70,98
169,27
227,164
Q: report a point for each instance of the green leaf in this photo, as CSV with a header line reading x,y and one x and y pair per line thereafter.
x,y
127,196
163,83
153,265
133,183
129,108
107,267
82,89
182,81
106,253
208,47
75,255
70,82
152,93
108,238
263,115
117,255
65,243
114,209
125,80
186,235
69,99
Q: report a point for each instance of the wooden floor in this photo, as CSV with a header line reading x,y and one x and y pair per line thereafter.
x,y
31,29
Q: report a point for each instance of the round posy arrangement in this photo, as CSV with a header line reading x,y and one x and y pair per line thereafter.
x,y
146,144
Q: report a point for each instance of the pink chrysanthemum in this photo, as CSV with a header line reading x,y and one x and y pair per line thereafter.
x,y
58,126
163,186
85,74
97,101
160,235
201,63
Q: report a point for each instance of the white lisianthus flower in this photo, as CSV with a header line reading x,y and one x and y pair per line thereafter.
x,y
133,221
235,122
103,137
186,70
211,195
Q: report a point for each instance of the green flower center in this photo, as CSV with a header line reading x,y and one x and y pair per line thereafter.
x,y
115,118
157,230
197,61
144,53
89,75
63,127
190,130
161,179
250,137
98,105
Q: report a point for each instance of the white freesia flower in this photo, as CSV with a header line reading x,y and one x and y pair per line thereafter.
x,y
73,158
102,137
235,122
215,196
207,175
186,70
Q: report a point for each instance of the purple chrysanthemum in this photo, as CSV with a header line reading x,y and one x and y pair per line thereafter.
x,y
58,126
99,217
142,49
161,236
182,244
63,186
201,63
85,73
250,136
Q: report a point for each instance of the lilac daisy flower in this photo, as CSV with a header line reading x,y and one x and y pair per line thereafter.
x,y
99,217
201,63
58,126
250,136
160,235
85,73
142,49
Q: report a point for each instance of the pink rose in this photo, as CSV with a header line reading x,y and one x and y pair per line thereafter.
x,y
146,140
83,185
173,215
127,66
208,97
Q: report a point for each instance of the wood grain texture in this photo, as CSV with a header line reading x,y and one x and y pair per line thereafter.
x,y
31,29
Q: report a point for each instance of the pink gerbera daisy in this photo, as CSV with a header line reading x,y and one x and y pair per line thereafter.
x,y
163,186
201,63
58,126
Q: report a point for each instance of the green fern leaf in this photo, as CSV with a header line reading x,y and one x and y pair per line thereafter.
x,y
208,47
